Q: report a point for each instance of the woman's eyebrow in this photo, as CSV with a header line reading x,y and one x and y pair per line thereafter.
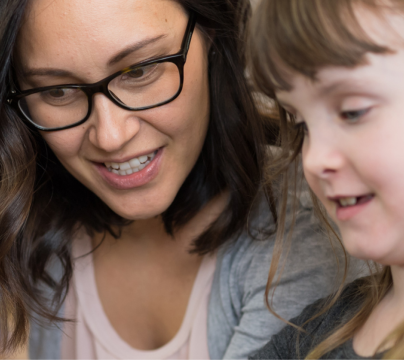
x,y
46,72
133,48
115,59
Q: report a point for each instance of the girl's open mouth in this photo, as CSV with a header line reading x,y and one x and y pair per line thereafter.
x,y
349,206
354,200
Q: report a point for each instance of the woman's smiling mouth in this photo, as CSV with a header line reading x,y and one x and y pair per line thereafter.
x,y
133,165
133,173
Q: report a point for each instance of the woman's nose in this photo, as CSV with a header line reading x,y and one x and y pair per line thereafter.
x,y
112,126
322,157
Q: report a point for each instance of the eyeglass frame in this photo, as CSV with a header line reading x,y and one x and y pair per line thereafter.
x,y
101,86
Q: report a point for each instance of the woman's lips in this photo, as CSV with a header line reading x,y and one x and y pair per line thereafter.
x,y
127,182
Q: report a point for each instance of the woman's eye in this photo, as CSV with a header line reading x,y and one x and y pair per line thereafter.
x,y
136,73
140,72
61,96
57,93
353,115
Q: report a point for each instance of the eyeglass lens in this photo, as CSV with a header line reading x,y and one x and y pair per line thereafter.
x,y
140,87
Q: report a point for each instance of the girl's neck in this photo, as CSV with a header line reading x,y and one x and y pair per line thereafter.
x,y
386,317
397,271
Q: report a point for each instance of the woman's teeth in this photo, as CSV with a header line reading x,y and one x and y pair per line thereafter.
x,y
131,166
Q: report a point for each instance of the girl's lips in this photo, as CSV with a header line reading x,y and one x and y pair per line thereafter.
x,y
344,213
127,182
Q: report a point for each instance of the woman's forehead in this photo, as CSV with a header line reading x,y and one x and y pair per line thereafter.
x,y
62,33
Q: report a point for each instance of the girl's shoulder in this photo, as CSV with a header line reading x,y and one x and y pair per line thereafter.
x,y
292,342
239,322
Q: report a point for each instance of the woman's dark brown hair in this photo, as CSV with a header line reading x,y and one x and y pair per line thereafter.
x,y
302,37
42,205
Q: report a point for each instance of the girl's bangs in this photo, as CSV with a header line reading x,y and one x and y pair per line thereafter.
x,y
304,36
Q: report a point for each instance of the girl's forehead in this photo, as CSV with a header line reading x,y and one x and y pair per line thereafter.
x,y
57,33
379,77
307,41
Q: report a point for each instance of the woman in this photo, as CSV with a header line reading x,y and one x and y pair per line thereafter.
x,y
132,162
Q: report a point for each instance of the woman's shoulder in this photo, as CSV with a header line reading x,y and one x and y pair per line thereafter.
x,y
292,342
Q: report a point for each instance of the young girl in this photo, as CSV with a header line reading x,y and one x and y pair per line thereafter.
x,y
131,166
336,71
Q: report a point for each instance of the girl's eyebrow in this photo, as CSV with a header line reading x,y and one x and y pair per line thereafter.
x,y
334,87
343,85
115,59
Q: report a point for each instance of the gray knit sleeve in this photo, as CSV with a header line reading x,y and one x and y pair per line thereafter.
x,y
239,323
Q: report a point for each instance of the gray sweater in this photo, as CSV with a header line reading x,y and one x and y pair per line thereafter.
x,y
238,321
285,345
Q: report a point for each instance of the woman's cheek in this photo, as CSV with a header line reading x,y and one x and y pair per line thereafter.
x,y
65,143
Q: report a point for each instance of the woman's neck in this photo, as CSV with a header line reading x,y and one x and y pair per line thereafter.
x,y
151,232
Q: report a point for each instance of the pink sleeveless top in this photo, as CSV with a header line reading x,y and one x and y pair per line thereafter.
x,y
91,336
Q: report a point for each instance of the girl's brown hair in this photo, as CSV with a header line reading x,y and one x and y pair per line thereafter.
x,y
303,36
42,204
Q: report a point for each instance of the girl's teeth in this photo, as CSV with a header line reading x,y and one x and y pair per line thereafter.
x,y
348,201
131,166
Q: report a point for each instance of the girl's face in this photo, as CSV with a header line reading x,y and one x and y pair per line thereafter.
x,y
353,150
75,41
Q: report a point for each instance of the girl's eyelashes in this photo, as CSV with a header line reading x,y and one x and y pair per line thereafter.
x,y
353,115
302,126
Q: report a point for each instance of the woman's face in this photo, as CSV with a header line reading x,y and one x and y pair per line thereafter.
x,y
75,41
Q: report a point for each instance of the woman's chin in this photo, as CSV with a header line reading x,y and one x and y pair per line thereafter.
x,y
143,211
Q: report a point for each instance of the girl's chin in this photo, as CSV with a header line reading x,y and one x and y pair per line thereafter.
x,y
367,252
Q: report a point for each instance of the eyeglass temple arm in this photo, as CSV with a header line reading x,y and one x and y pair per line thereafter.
x,y
189,31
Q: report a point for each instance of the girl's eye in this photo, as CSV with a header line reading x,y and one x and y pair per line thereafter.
x,y
353,115
302,126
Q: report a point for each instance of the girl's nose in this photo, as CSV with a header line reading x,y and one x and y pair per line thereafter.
x,y
112,126
322,156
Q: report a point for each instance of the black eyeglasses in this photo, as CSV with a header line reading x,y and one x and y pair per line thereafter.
x,y
142,86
